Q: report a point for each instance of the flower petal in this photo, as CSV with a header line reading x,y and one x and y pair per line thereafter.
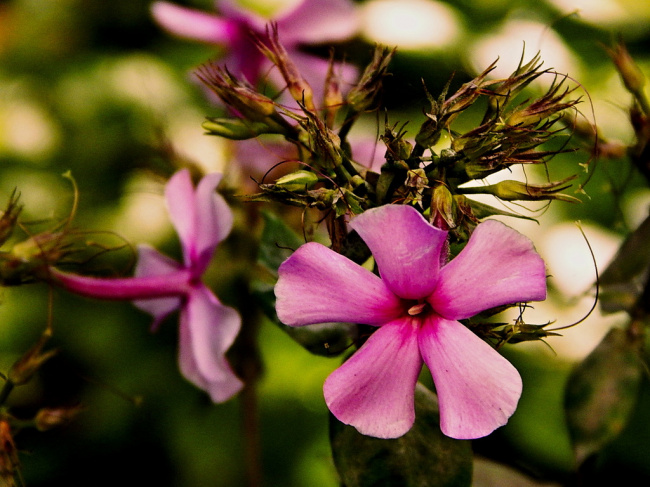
x,y
319,21
406,248
497,266
246,60
369,152
233,9
317,285
192,24
258,156
181,205
201,218
214,219
477,388
153,263
207,330
374,389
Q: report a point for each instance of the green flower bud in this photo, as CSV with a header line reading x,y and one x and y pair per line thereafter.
x,y
324,143
323,198
538,113
442,208
26,261
43,246
48,418
510,190
397,148
444,110
363,96
237,129
297,180
237,94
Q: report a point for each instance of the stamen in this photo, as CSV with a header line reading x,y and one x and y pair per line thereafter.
x,y
416,309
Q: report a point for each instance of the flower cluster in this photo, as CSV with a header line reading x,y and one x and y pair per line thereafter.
x,y
420,173
404,211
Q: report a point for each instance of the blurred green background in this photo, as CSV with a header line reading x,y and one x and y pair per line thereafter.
x,y
97,88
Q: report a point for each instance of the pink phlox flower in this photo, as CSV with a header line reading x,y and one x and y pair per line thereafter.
x,y
161,285
416,305
305,22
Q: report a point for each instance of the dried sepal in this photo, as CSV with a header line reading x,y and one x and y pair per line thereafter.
x,y
242,98
22,371
9,217
632,76
273,49
333,95
443,111
365,94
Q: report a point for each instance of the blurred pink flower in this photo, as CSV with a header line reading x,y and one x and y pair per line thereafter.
x,y
305,22
161,285
257,156
416,303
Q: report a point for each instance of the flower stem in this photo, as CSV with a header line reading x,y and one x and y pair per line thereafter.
x,y
6,390
251,433
173,284
249,369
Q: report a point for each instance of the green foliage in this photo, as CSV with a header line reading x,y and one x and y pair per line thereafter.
x,y
97,88
276,244
623,280
423,457
601,393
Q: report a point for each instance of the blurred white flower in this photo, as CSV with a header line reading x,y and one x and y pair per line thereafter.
x,y
410,24
611,14
508,42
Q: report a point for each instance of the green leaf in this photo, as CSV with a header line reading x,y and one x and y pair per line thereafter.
x,y
602,391
277,243
353,202
386,181
423,457
622,282
327,339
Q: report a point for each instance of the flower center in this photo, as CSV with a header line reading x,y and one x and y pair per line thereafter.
x,y
418,308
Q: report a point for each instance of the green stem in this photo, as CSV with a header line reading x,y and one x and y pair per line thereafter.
x,y
418,151
642,100
6,390
347,125
251,433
